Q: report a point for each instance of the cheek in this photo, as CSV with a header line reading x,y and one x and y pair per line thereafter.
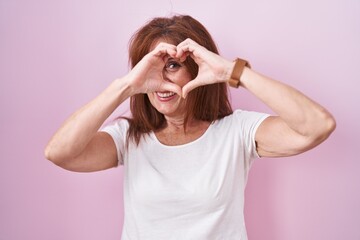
x,y
151,98
181,78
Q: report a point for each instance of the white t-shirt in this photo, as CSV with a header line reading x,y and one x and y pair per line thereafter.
x,y
191,191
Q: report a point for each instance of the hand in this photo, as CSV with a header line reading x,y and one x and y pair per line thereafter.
x,y
146,76
212,67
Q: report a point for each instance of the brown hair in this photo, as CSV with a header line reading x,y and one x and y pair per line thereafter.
x,y
207,103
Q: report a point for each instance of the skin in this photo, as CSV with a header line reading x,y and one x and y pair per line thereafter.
x,y
173,106
300,124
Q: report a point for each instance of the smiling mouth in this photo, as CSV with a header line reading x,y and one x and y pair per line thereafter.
x,y
165,95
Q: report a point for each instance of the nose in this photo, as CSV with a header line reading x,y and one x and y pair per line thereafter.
x,y
166,75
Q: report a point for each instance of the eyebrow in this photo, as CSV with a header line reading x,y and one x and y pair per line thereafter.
x,y
175,60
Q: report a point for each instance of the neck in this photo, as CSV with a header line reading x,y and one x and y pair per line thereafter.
x,y
178,123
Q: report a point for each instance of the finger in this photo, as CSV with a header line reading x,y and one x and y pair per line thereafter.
x,y
165,49
183,57
190,86
187,41
184,47
164,44
172,87
183,51
195,58
196,52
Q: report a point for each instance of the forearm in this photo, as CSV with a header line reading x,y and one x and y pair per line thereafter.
x,y
299,112
77,131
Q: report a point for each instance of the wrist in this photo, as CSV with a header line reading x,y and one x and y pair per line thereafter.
x,y
238,68
130,84
244,76
229,69
123,87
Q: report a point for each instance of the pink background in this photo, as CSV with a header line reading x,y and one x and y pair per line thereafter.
x,y
57,55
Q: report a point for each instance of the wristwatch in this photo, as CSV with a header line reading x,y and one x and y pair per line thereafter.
x,y
234,80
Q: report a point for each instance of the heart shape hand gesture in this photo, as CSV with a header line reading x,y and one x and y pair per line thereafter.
x,y
147,74
212,67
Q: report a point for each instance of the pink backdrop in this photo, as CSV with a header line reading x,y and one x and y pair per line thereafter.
x,y
57,55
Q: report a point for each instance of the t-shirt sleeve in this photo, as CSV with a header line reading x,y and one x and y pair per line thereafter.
x,y
118,132
249,122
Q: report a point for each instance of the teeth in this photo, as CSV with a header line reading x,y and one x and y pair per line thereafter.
x,y
165,94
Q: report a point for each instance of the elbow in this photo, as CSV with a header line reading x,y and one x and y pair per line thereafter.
x,y
47,153
61,158
52,156
326,126
329,125
319,133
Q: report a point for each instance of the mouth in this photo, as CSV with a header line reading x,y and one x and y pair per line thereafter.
x,y
165,96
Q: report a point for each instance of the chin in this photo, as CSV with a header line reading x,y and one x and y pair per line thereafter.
x,y
169,112
169,107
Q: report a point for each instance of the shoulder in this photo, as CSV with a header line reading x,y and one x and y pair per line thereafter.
x,y
119,123
243,117
241,124
117,128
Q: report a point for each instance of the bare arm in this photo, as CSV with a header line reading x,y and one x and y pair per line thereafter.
x,y
74,145
301,123
77,145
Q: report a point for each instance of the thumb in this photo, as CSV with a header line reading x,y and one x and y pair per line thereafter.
x,y
172,87
189,87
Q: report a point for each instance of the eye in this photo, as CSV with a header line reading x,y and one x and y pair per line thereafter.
x,y
172,65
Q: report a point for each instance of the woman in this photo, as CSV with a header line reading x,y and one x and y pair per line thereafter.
x,y
185,153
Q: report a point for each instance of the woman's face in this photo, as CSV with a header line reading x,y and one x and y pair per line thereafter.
x,y
168,103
